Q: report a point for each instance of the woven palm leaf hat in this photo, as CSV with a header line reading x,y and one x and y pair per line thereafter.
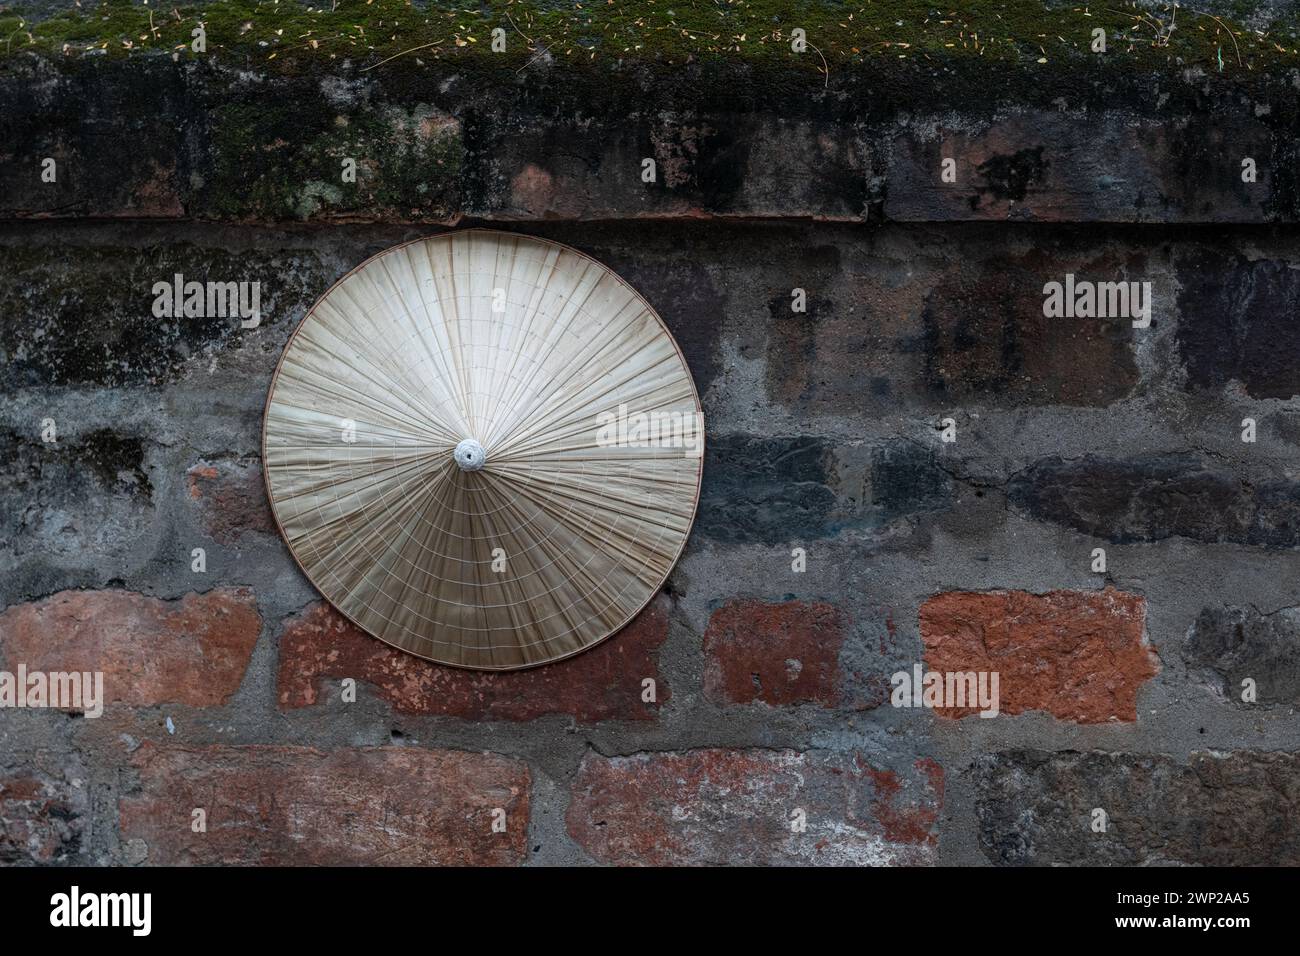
x,y
484,449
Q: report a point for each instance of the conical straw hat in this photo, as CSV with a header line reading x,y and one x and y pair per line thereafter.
x,y
484,449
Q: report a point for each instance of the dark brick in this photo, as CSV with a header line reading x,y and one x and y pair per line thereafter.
x,y
1228,644
815,357
857,348
275,151
987,339
116,139
1242,808
112,460
707,164
1150,499
1237,323
793,363
906,479
736,807
1052,166
766,489
686,297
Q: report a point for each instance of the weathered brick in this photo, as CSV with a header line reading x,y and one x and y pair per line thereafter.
x,y
987,340
857,347
604,683
102,170
43,817
83,495
735,163
1078,655
88,309
409,156
906,479
231,497
1218,809
1226,645
707,164
1150,499
1053,166
295,806
713,807
777,654
730,136
766,489
192,651
1235,322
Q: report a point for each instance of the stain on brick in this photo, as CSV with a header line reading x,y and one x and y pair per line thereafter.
x,y
296,806
777,654
193,651
1010,176
604,683
1226,645
1078,655
1034,808
713,807
1034,166
1150,499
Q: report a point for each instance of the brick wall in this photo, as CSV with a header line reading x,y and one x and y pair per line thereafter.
x,y
771,734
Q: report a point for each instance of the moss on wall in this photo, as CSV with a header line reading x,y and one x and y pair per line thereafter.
x,y
293,36
283,158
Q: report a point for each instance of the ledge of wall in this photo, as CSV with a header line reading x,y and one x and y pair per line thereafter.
x,y
1136,135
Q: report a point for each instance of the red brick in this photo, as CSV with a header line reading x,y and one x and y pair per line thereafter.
x,y
192,651
295,806
715,807
777,654
1078,655
603,683
231,497
41,818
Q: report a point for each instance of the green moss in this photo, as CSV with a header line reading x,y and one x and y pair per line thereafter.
x,y
288,35
282,157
